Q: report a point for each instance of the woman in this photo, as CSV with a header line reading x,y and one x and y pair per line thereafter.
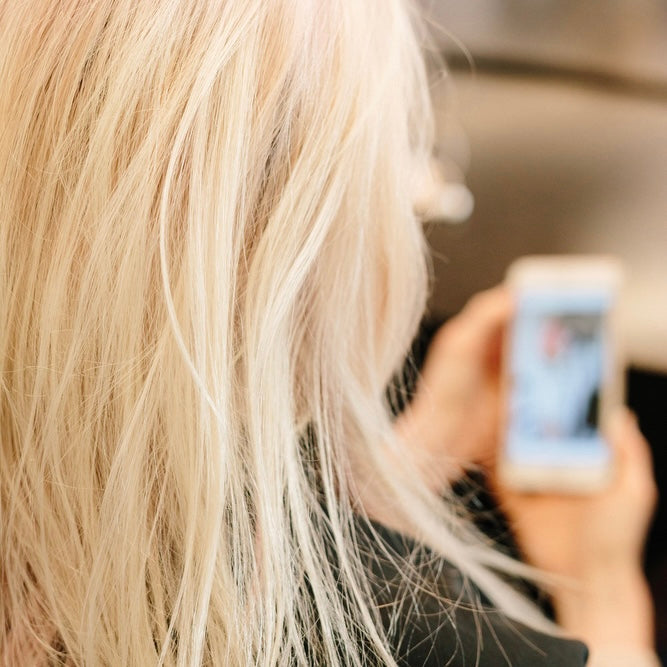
x,y
211,270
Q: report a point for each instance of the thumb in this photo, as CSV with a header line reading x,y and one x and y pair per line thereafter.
x,y
633,461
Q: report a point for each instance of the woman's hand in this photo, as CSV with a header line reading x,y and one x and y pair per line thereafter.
x,y
596,542
590,531
453,418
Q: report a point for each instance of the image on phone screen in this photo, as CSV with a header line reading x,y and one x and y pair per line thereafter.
x,y
558,358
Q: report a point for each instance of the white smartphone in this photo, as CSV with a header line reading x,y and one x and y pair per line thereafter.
x,y
563,373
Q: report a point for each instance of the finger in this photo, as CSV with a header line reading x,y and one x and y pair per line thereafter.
x,y
477,330
626,440
493,304
632,451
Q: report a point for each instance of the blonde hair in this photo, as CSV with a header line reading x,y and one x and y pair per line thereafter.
x,y
210,270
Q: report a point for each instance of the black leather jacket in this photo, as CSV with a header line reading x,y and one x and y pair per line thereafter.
x,y
449,623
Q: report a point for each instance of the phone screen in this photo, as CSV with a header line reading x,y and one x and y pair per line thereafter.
x,y
559,356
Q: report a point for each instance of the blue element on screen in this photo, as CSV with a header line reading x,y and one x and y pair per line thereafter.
x,y
558,361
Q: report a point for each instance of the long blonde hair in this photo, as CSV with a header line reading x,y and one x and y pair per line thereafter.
x,y
210,270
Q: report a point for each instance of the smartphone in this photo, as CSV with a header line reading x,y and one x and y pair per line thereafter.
x,y
563,373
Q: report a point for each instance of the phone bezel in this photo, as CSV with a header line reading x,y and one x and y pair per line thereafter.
x,y
555,273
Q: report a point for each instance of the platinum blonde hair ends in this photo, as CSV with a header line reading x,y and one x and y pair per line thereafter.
x,y
211,269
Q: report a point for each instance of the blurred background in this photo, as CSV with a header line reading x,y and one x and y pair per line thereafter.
x,y
552,116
